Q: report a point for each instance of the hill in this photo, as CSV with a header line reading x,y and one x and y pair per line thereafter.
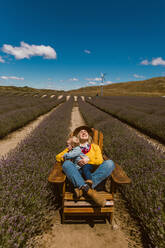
x,y
13,90
149,87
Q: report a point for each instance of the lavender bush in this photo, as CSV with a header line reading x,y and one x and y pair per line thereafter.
x,y
145,113
25,195
21,110
142,163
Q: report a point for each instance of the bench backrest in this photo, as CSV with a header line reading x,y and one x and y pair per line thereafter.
x,y
98,138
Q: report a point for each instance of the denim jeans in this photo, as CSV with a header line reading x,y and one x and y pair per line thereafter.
x,y
86,170
73,174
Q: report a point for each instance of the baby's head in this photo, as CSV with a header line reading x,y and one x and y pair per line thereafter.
x,y
73,142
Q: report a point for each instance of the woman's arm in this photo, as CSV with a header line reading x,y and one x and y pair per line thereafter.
x,y
59,157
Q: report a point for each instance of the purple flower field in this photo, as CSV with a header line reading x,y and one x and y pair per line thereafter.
x,y
26,197
144,113
143,164
16,111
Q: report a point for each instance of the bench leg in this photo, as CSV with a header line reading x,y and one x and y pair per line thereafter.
x,y
62,205
62,216
110,218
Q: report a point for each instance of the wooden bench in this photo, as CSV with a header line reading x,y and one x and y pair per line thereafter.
x,y
84,206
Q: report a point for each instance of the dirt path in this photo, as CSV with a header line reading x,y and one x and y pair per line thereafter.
x,y
124,233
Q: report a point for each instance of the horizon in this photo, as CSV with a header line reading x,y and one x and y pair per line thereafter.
x,y
65,46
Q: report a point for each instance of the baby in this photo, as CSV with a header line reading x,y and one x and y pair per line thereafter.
x,y
74,153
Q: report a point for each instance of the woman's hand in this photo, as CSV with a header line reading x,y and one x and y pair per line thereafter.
x,y
84,160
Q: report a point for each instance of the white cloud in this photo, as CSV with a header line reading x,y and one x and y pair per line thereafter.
x,y
87,51
145,62
108,82
158,61
154,62
12,77
26,51
94,79
73,79
2,60
138,76
97,79
92,83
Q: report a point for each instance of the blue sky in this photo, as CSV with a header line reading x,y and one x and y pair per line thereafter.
x,y
67,44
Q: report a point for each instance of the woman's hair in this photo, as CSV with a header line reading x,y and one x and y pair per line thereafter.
x,y
90,139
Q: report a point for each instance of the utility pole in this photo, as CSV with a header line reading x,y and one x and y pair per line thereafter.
x,y
102,81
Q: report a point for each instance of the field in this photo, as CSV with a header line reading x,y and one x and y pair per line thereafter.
x,y
26,198
151,87
25,195
27,91
145,114
16,111
143,164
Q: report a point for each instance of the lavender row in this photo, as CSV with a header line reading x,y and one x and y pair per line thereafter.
x,y
17,118
144,113
142,163
13,102
25,194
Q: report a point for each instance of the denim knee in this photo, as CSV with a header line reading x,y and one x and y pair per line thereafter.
x,y
110,166
66,164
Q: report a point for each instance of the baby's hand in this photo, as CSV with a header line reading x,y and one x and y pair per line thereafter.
x,y
69,147
88,159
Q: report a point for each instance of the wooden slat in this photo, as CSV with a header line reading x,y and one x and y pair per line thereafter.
x,y
95,136
101,141
57,175
119,176
96,211
84,204
70,196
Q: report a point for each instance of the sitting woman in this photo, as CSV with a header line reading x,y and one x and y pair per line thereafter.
x,y
94,158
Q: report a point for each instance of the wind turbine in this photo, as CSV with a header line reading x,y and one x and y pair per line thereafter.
x,y
102,82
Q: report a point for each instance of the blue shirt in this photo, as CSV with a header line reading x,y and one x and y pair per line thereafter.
x,y
75,154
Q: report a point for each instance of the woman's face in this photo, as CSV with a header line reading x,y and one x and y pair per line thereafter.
x,y
83,135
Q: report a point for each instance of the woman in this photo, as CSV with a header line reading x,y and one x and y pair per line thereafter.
x,y
93,152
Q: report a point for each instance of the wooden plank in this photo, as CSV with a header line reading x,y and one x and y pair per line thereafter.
x,y
95,136
70,196
88,210
101,141
118,174
57,175
84,203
